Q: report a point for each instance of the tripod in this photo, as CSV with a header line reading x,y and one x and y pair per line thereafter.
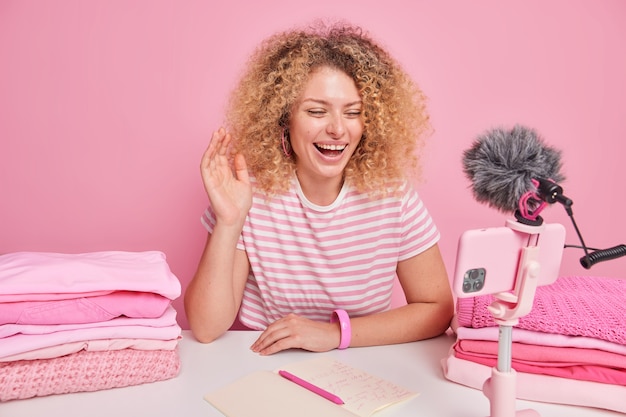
x,y
508,307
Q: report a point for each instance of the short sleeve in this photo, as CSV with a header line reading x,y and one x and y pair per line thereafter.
x,y
419,231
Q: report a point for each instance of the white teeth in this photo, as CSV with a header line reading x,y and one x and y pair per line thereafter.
x,y
331,147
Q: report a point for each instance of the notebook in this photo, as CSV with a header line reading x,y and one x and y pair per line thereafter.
x,y
265,393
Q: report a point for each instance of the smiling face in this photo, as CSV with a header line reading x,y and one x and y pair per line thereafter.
x,y
325,128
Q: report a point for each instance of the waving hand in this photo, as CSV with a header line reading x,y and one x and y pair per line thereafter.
x,y
230,192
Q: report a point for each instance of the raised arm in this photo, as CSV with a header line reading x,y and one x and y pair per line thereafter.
x,y
214,295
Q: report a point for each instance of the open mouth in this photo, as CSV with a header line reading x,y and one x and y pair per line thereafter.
x,y
330,150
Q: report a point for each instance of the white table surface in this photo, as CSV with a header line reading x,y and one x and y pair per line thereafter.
x,y
206,367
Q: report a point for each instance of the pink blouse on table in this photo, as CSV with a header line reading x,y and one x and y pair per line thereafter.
x,y
85,309
98,345
41,276
18,339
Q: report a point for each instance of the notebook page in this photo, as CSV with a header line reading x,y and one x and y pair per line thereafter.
x,y
265,393
363,393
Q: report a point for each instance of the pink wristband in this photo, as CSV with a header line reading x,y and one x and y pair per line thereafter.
x,y
344,325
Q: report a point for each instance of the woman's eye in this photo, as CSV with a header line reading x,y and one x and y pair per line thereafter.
x,y
316,112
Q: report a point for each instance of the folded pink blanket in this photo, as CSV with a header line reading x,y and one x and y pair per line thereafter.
x,y
85,309
42,276
575,306
544,388
86,371
583,371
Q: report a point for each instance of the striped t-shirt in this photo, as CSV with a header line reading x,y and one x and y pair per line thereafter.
x,y
309,260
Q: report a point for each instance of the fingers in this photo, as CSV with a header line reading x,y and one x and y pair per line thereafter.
x,y
272,343
214,165
225,142
276,337
241,168
217,146
293,331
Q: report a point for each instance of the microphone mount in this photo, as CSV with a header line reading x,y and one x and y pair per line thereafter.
x,y
550,192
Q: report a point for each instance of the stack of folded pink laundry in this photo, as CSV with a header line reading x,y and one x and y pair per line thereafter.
x,y
570,349
85,322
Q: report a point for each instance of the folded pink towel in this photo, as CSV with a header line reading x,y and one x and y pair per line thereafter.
x,y
86,371
575,306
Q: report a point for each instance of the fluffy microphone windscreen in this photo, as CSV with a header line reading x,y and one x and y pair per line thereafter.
x,y
501,164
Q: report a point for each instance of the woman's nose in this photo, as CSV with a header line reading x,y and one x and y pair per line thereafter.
x,y
335,126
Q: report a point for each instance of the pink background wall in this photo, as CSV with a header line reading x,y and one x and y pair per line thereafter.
x,y
107,106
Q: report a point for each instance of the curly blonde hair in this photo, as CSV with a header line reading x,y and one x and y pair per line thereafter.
x,y
394,113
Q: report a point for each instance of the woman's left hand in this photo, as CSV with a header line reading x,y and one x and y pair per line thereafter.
x,y
295,332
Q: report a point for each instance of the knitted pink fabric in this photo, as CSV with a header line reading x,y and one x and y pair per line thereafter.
x,y
574,306
86,371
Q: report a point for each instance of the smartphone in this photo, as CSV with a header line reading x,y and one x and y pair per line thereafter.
x,y
487,259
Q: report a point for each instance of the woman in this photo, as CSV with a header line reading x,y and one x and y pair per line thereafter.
x,y
312,214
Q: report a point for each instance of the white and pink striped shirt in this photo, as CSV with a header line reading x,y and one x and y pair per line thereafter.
x,y
309,259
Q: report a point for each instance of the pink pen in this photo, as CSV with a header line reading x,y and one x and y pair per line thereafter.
x,y
311,387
